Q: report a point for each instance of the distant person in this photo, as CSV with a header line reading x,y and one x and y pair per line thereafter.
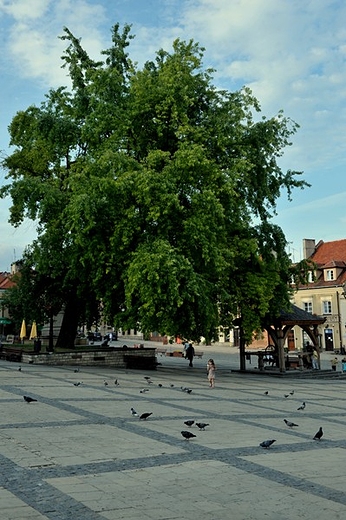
x,y
314,360
334,362
211,368
343,364
190,353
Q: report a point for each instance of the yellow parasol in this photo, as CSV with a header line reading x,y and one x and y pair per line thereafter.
x,y
33,332
23,330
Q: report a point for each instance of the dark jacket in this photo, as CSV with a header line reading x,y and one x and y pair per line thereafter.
x,y
190,352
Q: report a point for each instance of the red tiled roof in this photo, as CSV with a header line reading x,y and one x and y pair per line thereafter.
x,y
5,281
327,252
328,255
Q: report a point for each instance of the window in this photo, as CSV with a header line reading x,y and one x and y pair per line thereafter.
x,y
308,307
310,278
330,274
327,307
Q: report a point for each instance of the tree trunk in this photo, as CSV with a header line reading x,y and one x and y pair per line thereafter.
x,y
51,332
242,349
68,331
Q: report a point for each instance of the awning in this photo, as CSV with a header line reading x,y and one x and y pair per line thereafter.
x,y
5,321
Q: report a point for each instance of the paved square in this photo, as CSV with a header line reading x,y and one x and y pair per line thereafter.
x,y
78,453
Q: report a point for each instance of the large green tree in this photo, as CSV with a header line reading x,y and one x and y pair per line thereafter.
x,y
153,192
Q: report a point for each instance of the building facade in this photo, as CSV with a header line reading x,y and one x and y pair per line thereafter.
x,y
324,294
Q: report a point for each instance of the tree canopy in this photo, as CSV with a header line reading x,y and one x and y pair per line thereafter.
x,y
154,193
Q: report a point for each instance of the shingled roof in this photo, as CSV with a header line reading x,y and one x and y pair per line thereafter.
x,y
328,255
297,316
5,281
326,252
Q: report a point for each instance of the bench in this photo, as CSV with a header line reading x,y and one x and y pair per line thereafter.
x,y
174,353
9,340
179,353
11,354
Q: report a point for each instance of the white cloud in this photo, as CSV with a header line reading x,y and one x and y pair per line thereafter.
x,y
34,42
24,9
292,55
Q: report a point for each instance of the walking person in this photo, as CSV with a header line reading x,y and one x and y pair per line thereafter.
x,y
189,354
211,368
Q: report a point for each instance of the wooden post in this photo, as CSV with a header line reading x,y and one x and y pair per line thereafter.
x,y
281,352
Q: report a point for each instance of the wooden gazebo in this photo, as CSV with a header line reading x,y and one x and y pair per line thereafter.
x,y
279,328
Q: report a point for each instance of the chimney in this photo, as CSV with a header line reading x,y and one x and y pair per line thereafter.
x,y
308,247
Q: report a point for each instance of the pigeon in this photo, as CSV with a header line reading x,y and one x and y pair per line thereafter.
x,y
105,383
116,382
159,385
145,415
76,370
147,378
286,395
143,390
289,423
171,385
292,393
301,407
319,434
29,399
267,444
19,369
189,423
266,393
187,435
77,384
133,412
201,425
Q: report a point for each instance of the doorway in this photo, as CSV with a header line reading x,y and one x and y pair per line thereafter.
x,y
328,339
291,344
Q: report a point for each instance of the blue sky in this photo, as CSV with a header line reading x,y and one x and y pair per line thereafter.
x,y
292,54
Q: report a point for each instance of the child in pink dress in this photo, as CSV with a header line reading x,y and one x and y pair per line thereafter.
x,y
211,372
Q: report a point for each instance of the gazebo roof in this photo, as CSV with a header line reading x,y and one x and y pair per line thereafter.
x,y
297,316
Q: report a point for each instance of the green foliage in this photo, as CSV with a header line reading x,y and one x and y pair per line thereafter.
x,y
145,184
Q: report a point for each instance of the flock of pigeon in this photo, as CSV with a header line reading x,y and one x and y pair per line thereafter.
x,y
185,433
318,435
200,425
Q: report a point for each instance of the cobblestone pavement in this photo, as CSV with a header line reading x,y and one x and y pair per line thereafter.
x,y
78,453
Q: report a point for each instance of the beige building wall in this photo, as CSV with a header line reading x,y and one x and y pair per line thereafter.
x,y
330,303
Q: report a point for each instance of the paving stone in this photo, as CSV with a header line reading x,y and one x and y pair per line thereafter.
x,y
78,453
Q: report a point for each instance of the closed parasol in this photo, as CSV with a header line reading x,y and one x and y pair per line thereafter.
x,y
22,334
33,332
